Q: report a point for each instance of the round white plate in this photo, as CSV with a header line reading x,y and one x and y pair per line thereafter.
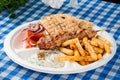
x,y
13,46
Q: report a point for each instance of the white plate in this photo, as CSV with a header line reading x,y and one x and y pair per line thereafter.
x,y
13,47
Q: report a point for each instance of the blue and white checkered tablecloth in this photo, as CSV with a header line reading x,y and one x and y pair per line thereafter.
x,y
103,14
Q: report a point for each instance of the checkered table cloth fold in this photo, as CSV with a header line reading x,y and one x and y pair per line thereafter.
x,y
103,14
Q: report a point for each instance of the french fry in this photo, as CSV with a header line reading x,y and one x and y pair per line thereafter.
x,y
106,44
107,48
87,62
89,48
99,56
66,51
72,46
65,58
87,53
82,63
105,40
75,58
98,50
97,42
68,42
76,52
93,42
78,45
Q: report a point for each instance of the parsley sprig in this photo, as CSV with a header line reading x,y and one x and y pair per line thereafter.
x,y
11,6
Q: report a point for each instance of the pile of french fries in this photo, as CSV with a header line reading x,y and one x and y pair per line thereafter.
x,y
84,51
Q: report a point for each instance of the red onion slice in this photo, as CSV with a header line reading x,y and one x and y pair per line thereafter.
x,y
41,28
36,27
32,44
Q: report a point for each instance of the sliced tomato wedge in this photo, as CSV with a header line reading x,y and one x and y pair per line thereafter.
x,y
37,36
31,38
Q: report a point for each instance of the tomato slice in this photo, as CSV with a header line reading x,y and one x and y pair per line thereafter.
x,y
31,38
37,36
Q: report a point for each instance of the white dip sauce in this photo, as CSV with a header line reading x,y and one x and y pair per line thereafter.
x,y
46,59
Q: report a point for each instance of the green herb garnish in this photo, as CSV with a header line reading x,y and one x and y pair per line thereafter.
x,y
11,6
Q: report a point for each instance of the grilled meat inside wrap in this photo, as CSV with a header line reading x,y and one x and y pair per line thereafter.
x,y
61,27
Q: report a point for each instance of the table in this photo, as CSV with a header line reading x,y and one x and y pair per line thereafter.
x,y
103,14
